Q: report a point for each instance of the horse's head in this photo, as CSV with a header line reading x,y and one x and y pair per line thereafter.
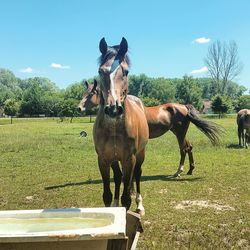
x,y
90,98
113,71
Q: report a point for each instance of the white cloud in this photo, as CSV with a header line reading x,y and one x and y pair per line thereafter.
x,y
202,40
199,71
26,70
59,66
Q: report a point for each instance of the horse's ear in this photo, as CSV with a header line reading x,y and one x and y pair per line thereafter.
x,y
123,47
103,46
86,84
95,85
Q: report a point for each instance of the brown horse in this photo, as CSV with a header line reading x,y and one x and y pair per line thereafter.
x,y
243,122
120,131
162,118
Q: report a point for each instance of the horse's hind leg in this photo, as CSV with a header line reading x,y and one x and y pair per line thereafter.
x,y
104,168
243,139
246,139
128,164
181,164
239,135
137,174
117,179
191,158
180,133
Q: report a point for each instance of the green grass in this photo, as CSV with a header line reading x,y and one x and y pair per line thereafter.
x,y
39,153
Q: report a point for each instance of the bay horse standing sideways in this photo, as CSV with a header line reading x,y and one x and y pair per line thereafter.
x,y
243,122
162,118
120,131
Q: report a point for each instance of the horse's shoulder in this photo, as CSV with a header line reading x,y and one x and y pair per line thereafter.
x,y
135,100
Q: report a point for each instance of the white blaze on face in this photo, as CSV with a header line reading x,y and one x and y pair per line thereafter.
x,y
112,84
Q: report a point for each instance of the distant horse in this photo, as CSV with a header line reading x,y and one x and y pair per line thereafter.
x,y
162,118
120,131
243,122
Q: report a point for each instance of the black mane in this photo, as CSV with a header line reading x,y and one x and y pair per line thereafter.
x,y
113,52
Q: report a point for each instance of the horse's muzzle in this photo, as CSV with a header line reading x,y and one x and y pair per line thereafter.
x,y
114,110
80,108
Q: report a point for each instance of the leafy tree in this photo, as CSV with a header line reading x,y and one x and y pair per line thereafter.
x,y
162,90
221,105
9,88
75,91
31,103
150,101
69,109
243,103
52,103
44,83
139,85
188,91
11,107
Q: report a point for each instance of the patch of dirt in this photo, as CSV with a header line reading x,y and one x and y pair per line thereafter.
x,y
203,204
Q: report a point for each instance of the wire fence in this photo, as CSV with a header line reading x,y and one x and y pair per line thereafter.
x,y
18,120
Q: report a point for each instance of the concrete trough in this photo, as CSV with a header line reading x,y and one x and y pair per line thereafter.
x,y
74,229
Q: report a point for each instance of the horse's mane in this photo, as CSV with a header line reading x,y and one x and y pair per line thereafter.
x,y
113,52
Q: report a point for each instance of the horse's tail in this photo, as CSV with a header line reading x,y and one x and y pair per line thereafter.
x,y
212,130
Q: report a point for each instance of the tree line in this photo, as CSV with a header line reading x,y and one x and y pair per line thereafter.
x,y
39,95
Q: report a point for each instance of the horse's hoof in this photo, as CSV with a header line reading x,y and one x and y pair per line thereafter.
x,y
141,212
189,173
177,175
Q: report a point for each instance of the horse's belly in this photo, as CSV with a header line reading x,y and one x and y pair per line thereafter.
x,y
157,130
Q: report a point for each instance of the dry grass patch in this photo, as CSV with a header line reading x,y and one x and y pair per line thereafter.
x,y
203,204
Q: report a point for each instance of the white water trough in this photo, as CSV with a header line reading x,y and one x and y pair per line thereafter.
x,y
74,229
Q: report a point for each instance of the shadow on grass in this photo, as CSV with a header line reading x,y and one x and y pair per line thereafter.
x,y
68,184
143,178
234,146
169,178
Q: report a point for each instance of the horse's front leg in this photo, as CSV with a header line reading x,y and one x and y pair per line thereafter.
x,y
104,168
137,174
117,179
128,165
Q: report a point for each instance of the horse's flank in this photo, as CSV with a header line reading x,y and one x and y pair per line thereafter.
x,y
165,114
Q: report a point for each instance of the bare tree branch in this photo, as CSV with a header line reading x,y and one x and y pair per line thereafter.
x,y
223,63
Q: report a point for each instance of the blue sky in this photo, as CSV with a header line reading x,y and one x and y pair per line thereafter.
x,y
59,39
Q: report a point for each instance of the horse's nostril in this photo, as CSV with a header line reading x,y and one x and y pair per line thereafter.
x,y
119,110
79,109
106,110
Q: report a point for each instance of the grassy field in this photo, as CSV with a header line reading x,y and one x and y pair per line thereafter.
x,y
46,164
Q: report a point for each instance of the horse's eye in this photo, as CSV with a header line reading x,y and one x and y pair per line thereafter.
x,y
125,72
